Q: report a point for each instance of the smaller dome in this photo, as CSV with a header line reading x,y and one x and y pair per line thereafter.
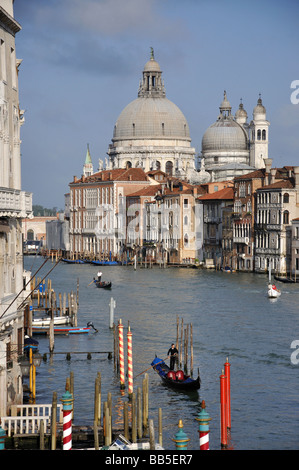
x,y
152,66
241,111
259,108
224,135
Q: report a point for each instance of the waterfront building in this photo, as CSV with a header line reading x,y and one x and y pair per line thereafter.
x,y
15,205
151,132
34,232
97,215
217,208
233,147
294,272
277,204
243,217
169,222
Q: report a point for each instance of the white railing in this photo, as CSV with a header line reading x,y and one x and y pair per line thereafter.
x,y
29,419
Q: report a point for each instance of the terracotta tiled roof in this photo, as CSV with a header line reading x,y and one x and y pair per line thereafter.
x,y
281,184
253,174
120,174
226,193
151,190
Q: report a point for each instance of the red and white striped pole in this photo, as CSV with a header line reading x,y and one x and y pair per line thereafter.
x,y
223,425
121,354
130,361
227,375
67,400
204,430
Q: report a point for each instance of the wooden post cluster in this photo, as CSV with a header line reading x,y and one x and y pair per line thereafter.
x,y
184,344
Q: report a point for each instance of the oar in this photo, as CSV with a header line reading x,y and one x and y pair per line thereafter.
x,y
90,282
150,367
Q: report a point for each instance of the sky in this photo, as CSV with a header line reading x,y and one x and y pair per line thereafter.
x,y
82,61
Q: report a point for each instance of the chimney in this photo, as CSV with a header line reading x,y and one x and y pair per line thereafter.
x,y
75,179
273,173
296,175
268,164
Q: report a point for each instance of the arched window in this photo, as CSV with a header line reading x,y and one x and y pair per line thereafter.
x,y
186,239
286,217
168,168
30,234
264,134
128,165
286,197
259,134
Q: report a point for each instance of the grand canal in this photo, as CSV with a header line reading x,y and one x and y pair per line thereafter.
x,y
231,317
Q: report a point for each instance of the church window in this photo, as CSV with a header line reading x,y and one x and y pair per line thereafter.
x,y
286,198
168,168
286,217
264,134
128,165
133,128
162,128
259,134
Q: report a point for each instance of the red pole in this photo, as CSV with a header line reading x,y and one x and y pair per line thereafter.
x,y
228,412
223,410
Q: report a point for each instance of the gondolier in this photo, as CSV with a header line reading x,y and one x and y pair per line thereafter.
x,y
172,353
99,276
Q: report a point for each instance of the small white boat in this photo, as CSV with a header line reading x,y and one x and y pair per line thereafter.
x,y
45,321
273,292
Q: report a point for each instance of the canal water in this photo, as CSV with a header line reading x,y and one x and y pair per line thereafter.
x,y
231,317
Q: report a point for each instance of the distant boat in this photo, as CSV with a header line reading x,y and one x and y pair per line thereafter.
x,y
105,263
103,284
73,261
174,379
45,321
273,292
285,279
61,330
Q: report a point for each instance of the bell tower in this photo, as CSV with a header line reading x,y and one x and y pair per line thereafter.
x,y
259,136
87,167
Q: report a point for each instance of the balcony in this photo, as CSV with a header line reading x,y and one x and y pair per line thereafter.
x,y
15,203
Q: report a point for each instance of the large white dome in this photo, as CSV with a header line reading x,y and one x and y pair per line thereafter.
x,y
151,118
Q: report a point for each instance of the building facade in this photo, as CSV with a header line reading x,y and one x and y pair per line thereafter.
x,y
97,211
277,204
15,205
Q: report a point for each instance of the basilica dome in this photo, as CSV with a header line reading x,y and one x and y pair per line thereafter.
x,y
151,117
224,135
151,132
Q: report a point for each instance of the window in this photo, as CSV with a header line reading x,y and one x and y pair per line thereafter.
x,y
286,217
186,203
264,134
286,198
168,168
259,134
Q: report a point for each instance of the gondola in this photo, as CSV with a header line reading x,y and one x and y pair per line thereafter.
x,y
175,379
73,261
103,284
